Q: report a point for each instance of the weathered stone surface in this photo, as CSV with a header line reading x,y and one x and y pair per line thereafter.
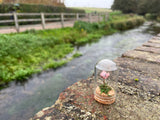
x,y
148,49
77,102
156,37
154,41
143,56
139,65
148,75
151,45
137,86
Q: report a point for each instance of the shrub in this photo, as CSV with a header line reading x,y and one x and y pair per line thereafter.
x,y
127,23
130,24
150,16
89,27
80,25
139,21
119,25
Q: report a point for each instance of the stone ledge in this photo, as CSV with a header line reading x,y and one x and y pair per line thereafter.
x,y
154,41
146,56
148,49
151,45
135,100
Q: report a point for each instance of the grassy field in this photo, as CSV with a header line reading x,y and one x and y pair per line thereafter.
x,y
23,54
90,10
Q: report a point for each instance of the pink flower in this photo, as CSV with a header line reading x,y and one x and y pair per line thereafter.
x,y
104,74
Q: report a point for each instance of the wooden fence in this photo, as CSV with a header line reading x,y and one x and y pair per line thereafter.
x,y
61,17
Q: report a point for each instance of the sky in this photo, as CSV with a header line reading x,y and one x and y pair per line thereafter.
x,y
89,3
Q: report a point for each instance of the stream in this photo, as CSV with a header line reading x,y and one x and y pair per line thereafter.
x,y
22,101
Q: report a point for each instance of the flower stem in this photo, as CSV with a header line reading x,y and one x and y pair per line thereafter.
x,y
104,82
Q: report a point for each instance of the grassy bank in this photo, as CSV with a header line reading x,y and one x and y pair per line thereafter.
x,y
120,21
33,51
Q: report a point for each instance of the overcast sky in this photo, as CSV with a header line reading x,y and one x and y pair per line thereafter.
x,y
89,3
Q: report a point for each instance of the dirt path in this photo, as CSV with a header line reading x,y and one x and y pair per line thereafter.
x,y
137,87
50,25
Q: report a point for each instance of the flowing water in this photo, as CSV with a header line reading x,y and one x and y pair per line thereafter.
x,y
22,101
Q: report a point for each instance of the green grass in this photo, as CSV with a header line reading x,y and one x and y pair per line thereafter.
x,y
90,10
77,54
29,52
120,21
24,54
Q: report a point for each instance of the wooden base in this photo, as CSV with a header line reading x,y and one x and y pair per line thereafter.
x,y
104,98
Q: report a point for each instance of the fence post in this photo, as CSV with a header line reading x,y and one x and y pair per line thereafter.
x,y
62,20
16,21
99,17
43,20
104,17
107,16
77,16
90,15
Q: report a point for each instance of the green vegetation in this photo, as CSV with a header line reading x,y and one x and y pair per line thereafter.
x,y
126,6
93,10
142,7
136,79
33,8
120,21
105,88
77,54
24,54
33,51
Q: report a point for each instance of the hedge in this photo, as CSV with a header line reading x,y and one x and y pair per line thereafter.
x,y
32,8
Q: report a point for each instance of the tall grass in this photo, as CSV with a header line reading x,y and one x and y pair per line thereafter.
x,y
24,54
120,21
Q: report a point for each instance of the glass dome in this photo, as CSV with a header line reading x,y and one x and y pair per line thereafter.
x,y
105,71
106,65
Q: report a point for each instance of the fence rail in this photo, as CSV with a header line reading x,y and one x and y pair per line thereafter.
x,y
43,17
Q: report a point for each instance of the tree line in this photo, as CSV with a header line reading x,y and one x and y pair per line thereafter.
x,y
141,7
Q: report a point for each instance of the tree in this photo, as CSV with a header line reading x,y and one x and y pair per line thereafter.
x,y
138,6
149,6
126,6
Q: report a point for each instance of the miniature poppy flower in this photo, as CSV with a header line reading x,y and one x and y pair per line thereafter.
x,y
104,74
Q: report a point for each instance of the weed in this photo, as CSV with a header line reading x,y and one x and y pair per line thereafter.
x,y
77,54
